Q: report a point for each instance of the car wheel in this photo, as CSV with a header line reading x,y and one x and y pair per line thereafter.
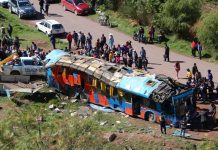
x,y
37,28
19,15
76,12
47,34
65,8
10,10
15,73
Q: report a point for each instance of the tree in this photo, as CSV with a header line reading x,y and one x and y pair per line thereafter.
x,y
208,31
178,15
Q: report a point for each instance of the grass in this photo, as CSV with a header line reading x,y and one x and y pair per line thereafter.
x,y
128,26
26,33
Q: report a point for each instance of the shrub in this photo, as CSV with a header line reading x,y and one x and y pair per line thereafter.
x,y
177,16
208,31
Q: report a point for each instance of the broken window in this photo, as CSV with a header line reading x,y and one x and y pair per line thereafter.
x,y
112,69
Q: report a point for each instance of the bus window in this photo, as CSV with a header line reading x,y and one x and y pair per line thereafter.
x,y
94,83
113,91
181,108
103,87
127,97
120,94
148,103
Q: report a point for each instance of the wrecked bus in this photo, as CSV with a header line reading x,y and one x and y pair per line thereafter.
x,y
134,92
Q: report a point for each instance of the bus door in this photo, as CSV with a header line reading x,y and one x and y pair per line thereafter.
x,y
136,105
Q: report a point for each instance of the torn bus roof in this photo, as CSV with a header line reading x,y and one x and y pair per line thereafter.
x,y
54,56
143,86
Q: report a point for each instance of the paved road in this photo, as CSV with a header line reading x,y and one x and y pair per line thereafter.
x,y
155,54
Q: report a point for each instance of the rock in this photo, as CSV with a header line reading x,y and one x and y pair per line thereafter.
x,y
128,148
118,122
63,103
73,114
112,137
57,110
120,130
126,116
66,98
73,100
51,106
40,119
102,123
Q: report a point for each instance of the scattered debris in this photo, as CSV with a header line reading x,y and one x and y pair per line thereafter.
x,y
73,100
73,114
126,116
40,119
57,110
101,108
118,122
84,111
112,137
128,147
102,123
51,106
120,130
178,133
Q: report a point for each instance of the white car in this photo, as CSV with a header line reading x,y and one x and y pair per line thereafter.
x,y
50,27
24,66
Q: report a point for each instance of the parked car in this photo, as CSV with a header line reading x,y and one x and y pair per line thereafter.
x,y
23,8
79,7
4,3
50,27
24,66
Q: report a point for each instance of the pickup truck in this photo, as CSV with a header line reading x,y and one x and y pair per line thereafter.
x,y
24,66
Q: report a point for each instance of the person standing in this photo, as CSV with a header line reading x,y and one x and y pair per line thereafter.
x,y
199,47
162,124
41,4
145,63
10,29
141,34
69,39
75,38
103,41
167,53
189,74
183,126
194,69
110,41
143,53
46,7
194,47
53,41
177,68
210,75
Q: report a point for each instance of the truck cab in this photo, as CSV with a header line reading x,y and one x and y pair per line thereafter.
x,y
24,66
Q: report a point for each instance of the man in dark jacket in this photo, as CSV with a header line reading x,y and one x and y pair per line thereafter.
x,y
167,53
162,124
53,41
75,38
41,4
10,29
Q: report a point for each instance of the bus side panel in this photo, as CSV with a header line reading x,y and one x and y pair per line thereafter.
x,y
102,100
128,109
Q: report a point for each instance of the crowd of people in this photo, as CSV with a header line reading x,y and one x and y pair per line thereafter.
x,y
104,48
10,44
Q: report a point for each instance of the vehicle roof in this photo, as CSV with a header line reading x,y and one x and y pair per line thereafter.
x,y
52,21
23,0
26,58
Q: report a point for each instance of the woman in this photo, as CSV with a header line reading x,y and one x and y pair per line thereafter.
x,y
110,41
177,68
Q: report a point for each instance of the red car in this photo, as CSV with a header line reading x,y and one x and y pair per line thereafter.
x,y
79,7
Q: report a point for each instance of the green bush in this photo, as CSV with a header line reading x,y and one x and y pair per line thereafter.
x,y
177,16
208,31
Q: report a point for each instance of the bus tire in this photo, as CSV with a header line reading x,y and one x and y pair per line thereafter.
x,y
149,116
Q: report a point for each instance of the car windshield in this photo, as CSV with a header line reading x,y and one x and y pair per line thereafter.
x,y
24,3
28,62
77,2
57,26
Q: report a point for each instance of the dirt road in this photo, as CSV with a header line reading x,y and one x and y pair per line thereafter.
x,y
72,22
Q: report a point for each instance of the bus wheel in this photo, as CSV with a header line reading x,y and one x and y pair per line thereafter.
x,y
149,116
83,97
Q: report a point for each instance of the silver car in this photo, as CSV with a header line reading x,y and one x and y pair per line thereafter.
x,y
23,8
